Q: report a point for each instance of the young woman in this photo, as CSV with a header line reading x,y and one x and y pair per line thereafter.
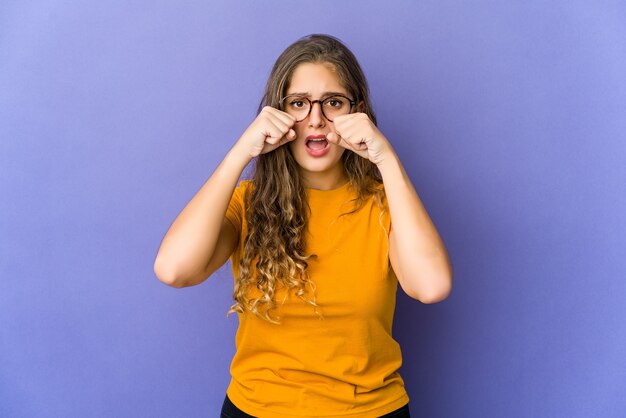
x,y
319,237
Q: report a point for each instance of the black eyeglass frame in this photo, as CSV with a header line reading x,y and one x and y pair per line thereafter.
x,y
312,102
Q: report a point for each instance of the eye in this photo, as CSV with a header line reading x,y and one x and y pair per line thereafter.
x,y
334,102
297,103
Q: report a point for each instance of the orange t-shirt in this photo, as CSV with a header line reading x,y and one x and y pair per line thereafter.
x,y
346,364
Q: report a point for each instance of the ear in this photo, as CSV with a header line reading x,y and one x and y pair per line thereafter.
x,y
360,106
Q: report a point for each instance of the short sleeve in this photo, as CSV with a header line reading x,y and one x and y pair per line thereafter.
x,y
385,214
236,210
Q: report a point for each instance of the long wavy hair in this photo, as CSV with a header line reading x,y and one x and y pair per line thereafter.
x,y
277,212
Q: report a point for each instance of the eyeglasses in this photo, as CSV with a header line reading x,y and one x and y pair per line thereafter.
x,y
300,106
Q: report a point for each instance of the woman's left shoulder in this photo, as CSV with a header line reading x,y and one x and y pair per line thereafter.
x,y
380,187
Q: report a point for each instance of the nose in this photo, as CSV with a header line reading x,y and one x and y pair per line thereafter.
x,y
316,118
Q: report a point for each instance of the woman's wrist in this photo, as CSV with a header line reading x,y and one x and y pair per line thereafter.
x,y
237,158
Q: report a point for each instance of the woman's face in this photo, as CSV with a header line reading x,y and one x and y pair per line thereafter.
x,y
320,163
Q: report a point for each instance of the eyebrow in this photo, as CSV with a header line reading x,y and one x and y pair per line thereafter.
x,y
325,94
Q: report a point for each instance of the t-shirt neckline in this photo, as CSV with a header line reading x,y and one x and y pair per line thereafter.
x,y
320,191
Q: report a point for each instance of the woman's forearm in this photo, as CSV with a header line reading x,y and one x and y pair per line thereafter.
x,y
423,264
192,238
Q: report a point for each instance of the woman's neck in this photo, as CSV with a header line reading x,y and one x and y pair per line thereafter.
x,y
325,180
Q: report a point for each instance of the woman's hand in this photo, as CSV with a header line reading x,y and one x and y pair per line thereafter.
x,y
358,133
270,130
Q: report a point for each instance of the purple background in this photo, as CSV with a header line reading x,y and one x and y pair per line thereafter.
x,y
509,116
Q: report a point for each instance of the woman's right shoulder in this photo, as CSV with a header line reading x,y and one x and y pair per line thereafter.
x,y
242,190
245,185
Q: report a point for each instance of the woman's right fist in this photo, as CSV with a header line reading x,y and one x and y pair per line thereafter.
x,y
271,129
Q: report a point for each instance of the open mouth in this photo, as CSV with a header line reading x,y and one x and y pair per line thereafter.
x,y
316,144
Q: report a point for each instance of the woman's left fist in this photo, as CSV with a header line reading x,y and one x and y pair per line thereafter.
x,y
358,133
